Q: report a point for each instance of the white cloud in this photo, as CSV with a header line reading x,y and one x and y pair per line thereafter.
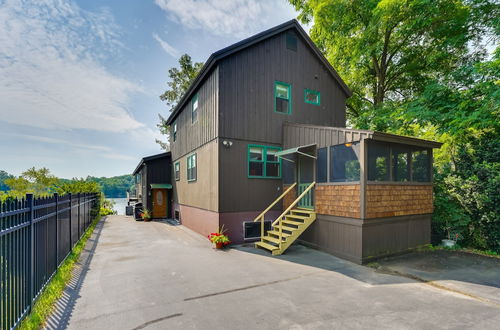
x,y
50,67
166,46
240,18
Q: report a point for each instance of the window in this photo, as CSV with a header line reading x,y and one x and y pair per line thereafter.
x,y
191,167
322,165
291,41
344,162
282,98
174,131
194,109
177,171
378,162
401,163
263,162
420,164
312,97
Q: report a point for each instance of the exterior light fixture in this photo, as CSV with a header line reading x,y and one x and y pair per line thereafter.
x,y
348,145
227,144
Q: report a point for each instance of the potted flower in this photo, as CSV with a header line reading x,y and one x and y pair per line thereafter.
x,y
145,215
452,239
219,238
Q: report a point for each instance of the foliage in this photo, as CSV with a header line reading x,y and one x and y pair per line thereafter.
x,y
387,50
180,80
38,182
114,187
145,215
219,237
107,207
4,176
77,186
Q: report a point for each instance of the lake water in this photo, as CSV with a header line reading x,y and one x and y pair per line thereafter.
x,y
120,204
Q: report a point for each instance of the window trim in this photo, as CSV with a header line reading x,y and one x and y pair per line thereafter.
x,y
195,166
174,131
264,162
177,164
193,99
289,86
317,93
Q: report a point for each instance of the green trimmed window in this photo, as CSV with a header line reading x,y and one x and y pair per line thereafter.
x,y
174,131
282,97
177,171
194,109
312,97
191,167
263,162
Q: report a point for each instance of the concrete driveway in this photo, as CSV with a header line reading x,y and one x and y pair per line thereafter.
x,y
136,275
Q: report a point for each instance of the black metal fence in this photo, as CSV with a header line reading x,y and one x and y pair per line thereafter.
x,y
36,235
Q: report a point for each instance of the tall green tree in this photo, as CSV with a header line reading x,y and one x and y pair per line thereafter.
x,y
180,80
36,181
4,176
389,50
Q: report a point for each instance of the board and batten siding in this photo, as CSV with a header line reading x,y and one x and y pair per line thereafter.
x,y
247,96
295,135
193,135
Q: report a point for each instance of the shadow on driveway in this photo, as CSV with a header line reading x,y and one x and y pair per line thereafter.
x,y
63,309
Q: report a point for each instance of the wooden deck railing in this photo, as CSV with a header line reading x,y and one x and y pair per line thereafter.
x,y
280,218
261,215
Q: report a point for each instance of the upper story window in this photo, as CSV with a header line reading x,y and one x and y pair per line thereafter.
x,y
282,97
312,97
174,131
194,109
263,162
177,171
191,167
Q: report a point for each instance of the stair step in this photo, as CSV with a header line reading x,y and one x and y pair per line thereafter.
x,y
266,246
287,228
291,222
299,210
294,216
277,233
271,239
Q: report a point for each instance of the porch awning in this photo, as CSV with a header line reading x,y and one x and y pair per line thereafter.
x,y
297,150
161,186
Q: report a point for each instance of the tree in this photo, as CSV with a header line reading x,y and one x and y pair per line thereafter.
x,y
388,50
4,176
180,80
39,182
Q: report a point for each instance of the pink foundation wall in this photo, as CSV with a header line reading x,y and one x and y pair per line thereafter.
x,y
201,221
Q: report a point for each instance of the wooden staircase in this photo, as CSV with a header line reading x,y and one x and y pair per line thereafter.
x,y
293,225
288,226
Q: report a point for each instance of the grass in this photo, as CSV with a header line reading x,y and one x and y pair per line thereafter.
x,y
53,291
430,247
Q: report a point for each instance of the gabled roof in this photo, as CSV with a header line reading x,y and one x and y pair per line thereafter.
x,y
225,52
150,158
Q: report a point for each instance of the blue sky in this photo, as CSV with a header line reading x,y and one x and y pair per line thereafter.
x,y
80,79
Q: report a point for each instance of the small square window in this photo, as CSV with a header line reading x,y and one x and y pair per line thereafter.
x,y
312,97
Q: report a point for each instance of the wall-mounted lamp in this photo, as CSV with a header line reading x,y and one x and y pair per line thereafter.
x,y
348,145
227,144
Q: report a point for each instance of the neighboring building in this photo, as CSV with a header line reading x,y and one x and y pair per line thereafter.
x,y
276,91
153,184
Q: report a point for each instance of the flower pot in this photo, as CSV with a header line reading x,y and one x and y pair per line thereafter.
x,y
448,242
147,219
219,245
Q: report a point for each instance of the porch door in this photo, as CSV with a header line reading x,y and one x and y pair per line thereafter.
x,y
159,203
306,177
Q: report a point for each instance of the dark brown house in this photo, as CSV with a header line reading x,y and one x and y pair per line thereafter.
x,y
153,184
266,116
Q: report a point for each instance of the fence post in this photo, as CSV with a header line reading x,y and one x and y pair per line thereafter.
x,y
70,229
79,214
56,199
31,281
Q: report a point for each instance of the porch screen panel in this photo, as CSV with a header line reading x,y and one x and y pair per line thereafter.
x,y
420,166
288,168
401,156
378,161
322,165
344,162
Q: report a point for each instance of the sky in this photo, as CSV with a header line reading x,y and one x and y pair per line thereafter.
x,y
80,79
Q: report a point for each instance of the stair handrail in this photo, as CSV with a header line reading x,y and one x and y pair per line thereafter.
x,y
261,215
280,218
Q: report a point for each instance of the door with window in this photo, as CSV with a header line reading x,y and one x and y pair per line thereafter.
x,y
306,177
159,203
